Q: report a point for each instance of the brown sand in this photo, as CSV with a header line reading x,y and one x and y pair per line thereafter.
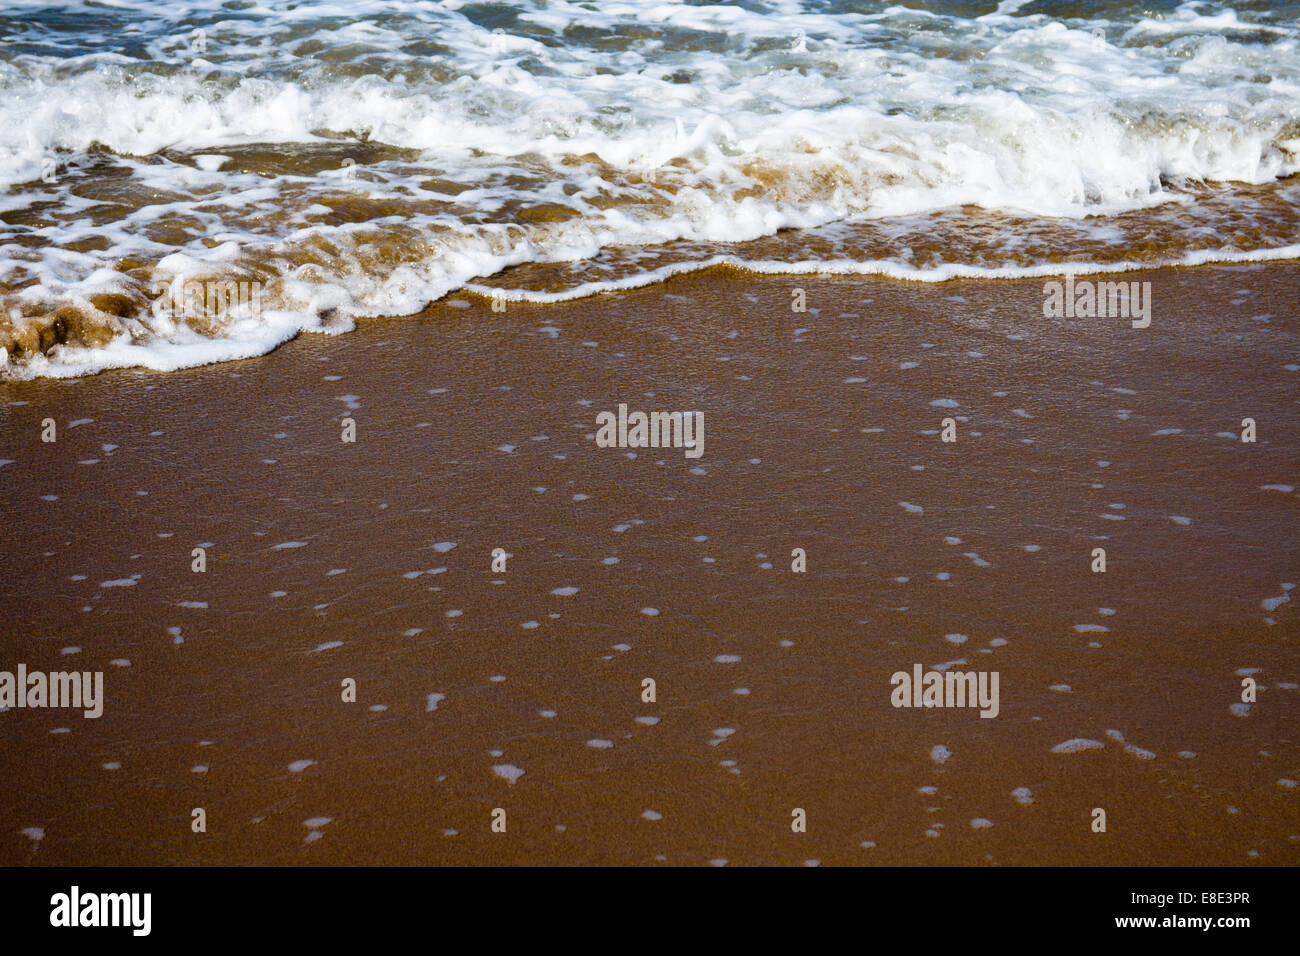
x,y
248,455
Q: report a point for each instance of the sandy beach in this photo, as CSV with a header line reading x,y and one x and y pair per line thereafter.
x,y
372,561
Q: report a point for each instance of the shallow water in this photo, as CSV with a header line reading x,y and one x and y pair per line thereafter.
x,y
521,688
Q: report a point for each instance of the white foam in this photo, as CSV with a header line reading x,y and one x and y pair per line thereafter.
x,y
702,120
1077,745
508,772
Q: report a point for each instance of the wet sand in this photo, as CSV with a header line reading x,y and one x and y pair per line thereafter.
x,y
475,428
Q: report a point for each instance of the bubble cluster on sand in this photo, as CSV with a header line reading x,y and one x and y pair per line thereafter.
x,y
508,772
1077,745
314,825
1132,749
1273,603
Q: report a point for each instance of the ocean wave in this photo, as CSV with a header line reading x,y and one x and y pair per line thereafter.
x,y
369,159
